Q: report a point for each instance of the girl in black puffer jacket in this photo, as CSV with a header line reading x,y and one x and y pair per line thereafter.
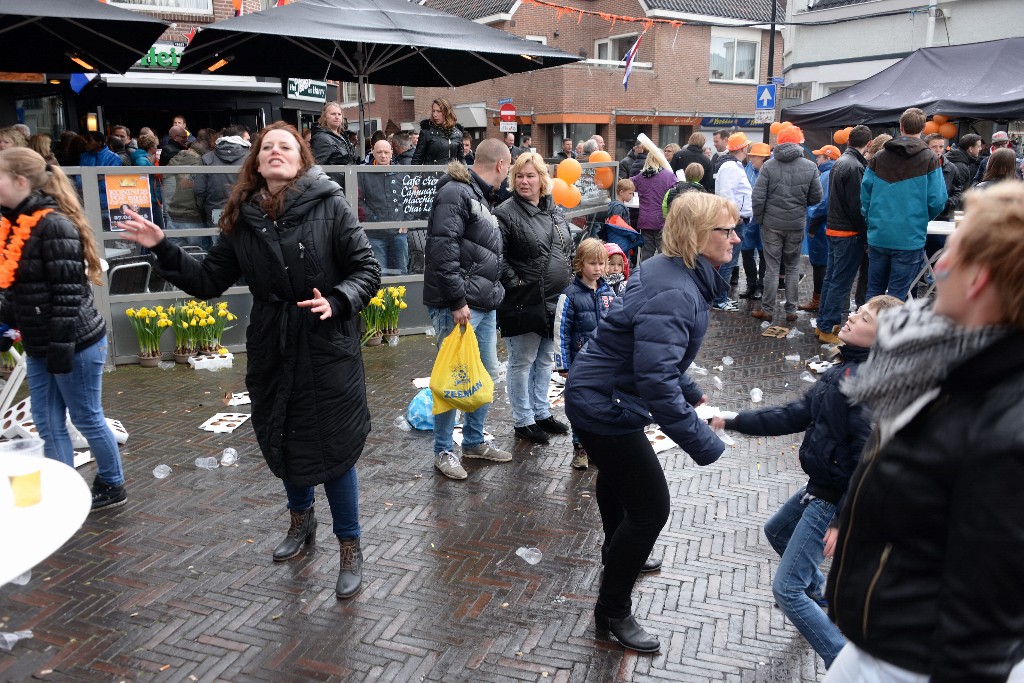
x,y
49,258
440,136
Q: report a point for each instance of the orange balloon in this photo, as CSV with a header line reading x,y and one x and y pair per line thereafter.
x,y
574,197
560,191
604,178
784,125
948,130
930,127
569,170
841,137
848,129
600,155
939,119
775,127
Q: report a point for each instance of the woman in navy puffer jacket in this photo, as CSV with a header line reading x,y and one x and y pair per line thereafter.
x,y
632,374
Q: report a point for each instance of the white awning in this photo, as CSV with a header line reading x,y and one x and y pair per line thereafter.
x,y
141,79
471,116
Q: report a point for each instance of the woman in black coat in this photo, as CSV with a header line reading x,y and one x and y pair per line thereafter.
x,y
48,258
440,136
289,230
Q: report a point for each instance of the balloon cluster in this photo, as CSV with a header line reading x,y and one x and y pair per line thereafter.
x,y
942,125
779,126
563,190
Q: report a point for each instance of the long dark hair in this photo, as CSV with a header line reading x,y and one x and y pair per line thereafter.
x,y
1002,165
251,183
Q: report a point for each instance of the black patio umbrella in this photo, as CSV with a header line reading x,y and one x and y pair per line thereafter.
x,y
70,36
387,42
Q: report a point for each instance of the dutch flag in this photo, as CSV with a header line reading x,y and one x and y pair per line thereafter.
x,y
628,59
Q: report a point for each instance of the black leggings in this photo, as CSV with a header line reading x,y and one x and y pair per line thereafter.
x,y
632,495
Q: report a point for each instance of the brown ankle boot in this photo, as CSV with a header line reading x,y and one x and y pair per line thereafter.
x,y
303,529
350,575
811,305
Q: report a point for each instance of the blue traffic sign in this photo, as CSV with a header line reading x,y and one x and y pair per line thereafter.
x,y
765,97
778,80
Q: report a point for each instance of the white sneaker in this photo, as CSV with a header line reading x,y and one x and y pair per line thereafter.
x,y
486,451
729,305
449,465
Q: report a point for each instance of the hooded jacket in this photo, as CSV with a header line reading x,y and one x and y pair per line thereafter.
x,y
902,190
788,183
694,154
181,188
437,145
966,165
331,149
304,375
462,257
633,371
213,189
577,314
817,214
51,299
844,215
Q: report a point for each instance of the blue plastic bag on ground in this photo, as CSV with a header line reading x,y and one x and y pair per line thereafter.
x,y
420,413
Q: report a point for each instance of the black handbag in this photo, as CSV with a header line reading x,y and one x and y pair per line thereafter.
x,y
523,310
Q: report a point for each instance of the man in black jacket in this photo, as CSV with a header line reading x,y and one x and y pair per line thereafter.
x,y
461,284
846,230
966,158
694,153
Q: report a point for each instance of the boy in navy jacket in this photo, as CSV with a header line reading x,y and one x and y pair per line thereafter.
x,y
580,308
834,437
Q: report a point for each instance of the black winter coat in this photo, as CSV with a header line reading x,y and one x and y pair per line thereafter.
x,y
537,263
331,149
835,430
844,193
213,189
966,165
463,252
694,154
51,300
304,375
437,146
930,555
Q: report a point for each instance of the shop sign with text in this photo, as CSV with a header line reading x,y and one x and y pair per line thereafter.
x,y
162,56
305,89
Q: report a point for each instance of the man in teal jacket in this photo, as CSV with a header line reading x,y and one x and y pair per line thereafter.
x,y
902,190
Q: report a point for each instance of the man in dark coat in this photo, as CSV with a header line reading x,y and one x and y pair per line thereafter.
x,y
694,153
966,158
401,143
461,284
213,189
628,161
567,151
177,140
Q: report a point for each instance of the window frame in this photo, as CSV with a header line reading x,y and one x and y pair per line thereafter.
x,y
371,94
617,62
152,6
736,35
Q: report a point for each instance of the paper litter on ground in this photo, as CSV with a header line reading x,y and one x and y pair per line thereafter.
x,y
457,435
238,398
775,331
224,423
421,382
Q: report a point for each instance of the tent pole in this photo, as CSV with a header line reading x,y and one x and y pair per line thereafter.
x,y
771,66
361,87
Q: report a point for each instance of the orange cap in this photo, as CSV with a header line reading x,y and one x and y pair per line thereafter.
x,y
737,141
830,151
760,149
790,134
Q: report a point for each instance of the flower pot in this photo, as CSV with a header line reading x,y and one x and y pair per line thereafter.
x,y
375,340
149,361
181,357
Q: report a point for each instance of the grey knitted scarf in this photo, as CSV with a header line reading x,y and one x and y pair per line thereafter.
x,y
915,350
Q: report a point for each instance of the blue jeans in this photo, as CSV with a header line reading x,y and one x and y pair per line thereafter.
x,y
530,359
726,270
817,247
343,497
485,326
80,394
890,271
844,257
797,532
391,250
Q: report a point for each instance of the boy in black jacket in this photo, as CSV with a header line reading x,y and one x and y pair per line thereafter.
x,y
834,437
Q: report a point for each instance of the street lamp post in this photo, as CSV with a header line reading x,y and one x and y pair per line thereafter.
x,y
771,64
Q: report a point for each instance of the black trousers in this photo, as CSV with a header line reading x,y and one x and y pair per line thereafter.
x,y
632,495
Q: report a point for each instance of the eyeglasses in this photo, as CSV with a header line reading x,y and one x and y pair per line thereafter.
x,y
725,231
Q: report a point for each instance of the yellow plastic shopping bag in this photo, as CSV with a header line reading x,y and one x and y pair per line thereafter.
x,y
459,378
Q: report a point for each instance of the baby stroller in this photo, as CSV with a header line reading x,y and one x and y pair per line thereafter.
x,y
618,231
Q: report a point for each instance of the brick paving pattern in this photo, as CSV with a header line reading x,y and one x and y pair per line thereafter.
x,y
179,584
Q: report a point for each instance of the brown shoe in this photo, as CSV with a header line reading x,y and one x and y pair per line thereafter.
x,y
827,338
761,314
791,317
811,305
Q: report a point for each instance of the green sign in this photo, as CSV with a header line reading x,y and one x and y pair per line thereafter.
x,y
305,89
162,56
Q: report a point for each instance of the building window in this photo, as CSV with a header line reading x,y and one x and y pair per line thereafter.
x,y
175,6
734,58
611,51
543,40
350,93
408,92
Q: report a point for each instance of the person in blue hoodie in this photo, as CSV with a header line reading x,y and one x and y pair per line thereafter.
x,y
835,432
580,307
632,374
902,190
817,216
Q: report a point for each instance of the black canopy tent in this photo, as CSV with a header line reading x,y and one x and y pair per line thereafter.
x,y
973,81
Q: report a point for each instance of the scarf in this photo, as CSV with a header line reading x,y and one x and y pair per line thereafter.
x,y
914,352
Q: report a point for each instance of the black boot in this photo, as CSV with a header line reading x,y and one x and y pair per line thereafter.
x,y
350,576
106,496
303,529
652,564
629,633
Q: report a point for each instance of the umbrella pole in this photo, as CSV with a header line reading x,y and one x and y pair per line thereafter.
x,y
361,86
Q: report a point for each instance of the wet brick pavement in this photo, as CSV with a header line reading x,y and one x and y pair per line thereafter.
x,y
179,584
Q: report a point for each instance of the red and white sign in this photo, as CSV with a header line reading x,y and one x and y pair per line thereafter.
x,y
507,112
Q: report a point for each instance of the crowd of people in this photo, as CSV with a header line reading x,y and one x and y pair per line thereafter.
x,y
912,441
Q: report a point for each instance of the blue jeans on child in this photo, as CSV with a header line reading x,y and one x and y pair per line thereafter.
x,y
797,533
80,394
844,257
343,497
485,327
530,360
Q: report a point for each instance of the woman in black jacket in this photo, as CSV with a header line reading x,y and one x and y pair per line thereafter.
x,y
536,267
48,260
289,230
926,579
440,136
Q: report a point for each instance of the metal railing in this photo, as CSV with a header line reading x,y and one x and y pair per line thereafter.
x,y
132,279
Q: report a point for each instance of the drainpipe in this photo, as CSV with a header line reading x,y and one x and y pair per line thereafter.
x,y
930,35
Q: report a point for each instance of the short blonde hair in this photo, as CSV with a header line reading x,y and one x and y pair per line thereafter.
x,y
625,185
992,235
690,220
671,148
538,163
694,173
590,249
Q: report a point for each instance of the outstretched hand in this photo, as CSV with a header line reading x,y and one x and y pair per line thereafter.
x,y
717,422
318,304
141,231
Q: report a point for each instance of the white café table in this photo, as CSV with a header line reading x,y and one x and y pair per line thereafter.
x,y
28,535
944,228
